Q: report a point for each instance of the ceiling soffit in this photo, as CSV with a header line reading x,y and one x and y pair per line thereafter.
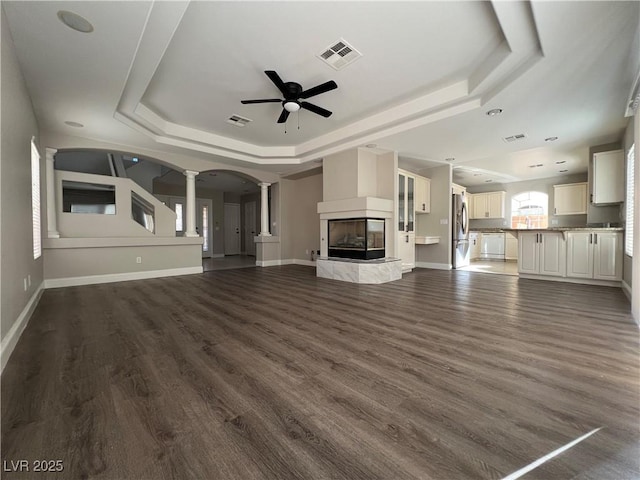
x,y
518,51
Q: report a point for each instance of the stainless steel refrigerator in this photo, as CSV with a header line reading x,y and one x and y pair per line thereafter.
x,y
461,251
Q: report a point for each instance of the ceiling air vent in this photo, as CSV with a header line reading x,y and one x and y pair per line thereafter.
x,y
238,121
515,138
339,54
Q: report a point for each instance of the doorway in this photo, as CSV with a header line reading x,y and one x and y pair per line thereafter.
x,y
250,228
231,228
203,225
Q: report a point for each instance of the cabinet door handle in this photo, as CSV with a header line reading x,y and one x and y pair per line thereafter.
x,y
590,238
555,211
407,239
424,207
595,238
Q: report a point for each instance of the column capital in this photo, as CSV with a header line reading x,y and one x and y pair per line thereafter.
x,y
264,184
49,154
190,173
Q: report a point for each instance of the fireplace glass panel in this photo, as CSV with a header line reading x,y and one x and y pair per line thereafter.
x,y
357,238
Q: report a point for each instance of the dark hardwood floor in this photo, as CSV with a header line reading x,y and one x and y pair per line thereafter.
x,y
272,373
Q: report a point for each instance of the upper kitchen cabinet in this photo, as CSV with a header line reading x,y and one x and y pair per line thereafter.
x,y
423,195
487,205
570,199
607,177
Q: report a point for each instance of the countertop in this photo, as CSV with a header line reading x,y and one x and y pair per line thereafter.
x,y
550,229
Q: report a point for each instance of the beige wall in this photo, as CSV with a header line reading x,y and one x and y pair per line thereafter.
x,y
305,221
429,223
341,173
81,262
16,239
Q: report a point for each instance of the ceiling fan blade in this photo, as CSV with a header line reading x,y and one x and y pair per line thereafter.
x,y
264,100
283,116
318,89
315,109
277,81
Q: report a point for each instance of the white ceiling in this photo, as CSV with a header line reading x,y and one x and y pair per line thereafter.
x,y
166,76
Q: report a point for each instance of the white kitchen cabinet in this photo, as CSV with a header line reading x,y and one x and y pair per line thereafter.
x,y
570,199
542,253
406,220
423,195
594,255
487,205
607,178
510,246
474,245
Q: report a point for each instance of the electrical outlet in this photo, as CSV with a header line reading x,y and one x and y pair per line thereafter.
x,y
444,221
307,252
29,280
554,221
138,259
25,284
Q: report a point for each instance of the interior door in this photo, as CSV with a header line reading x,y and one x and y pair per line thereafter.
x,y
178,205
250,228
203,225
231,229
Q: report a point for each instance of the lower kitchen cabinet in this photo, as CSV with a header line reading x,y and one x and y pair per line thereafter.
x,y
407,250
542,253
594,255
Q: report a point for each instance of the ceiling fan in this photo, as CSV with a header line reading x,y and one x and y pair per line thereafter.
x,y
293,93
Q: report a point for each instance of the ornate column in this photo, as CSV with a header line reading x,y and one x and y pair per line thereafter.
x,y
191,203
52,210
264,209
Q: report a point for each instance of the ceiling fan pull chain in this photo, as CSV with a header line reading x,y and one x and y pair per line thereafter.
x,y
298,119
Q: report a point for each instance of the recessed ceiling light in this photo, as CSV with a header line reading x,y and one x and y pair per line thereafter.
x,y
539,165
488,181
450,159
559,162
550,139
563,171
74,124
494,112
75,21
371,145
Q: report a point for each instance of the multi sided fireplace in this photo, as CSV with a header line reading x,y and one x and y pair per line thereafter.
x,y
357,238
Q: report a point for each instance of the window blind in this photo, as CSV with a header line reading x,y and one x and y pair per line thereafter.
x,y
35,200
630,202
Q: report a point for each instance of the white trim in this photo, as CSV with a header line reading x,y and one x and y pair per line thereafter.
x,y
10,340
437,266
270,263
217,255
119,277
584,281
626,288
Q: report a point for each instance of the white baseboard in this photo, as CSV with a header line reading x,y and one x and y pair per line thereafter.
x,y
437,266
119,277
583,281
217,255
626,288
10,340
286,261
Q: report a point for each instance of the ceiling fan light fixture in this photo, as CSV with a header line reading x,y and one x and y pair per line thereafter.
x,y
495,111
291,106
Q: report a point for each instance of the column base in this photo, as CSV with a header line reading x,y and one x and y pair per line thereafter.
x,y
191,235
265,235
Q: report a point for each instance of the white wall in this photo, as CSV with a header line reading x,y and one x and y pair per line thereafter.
x,y
16,239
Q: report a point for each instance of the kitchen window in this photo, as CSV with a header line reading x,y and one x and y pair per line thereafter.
x,y
530,210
